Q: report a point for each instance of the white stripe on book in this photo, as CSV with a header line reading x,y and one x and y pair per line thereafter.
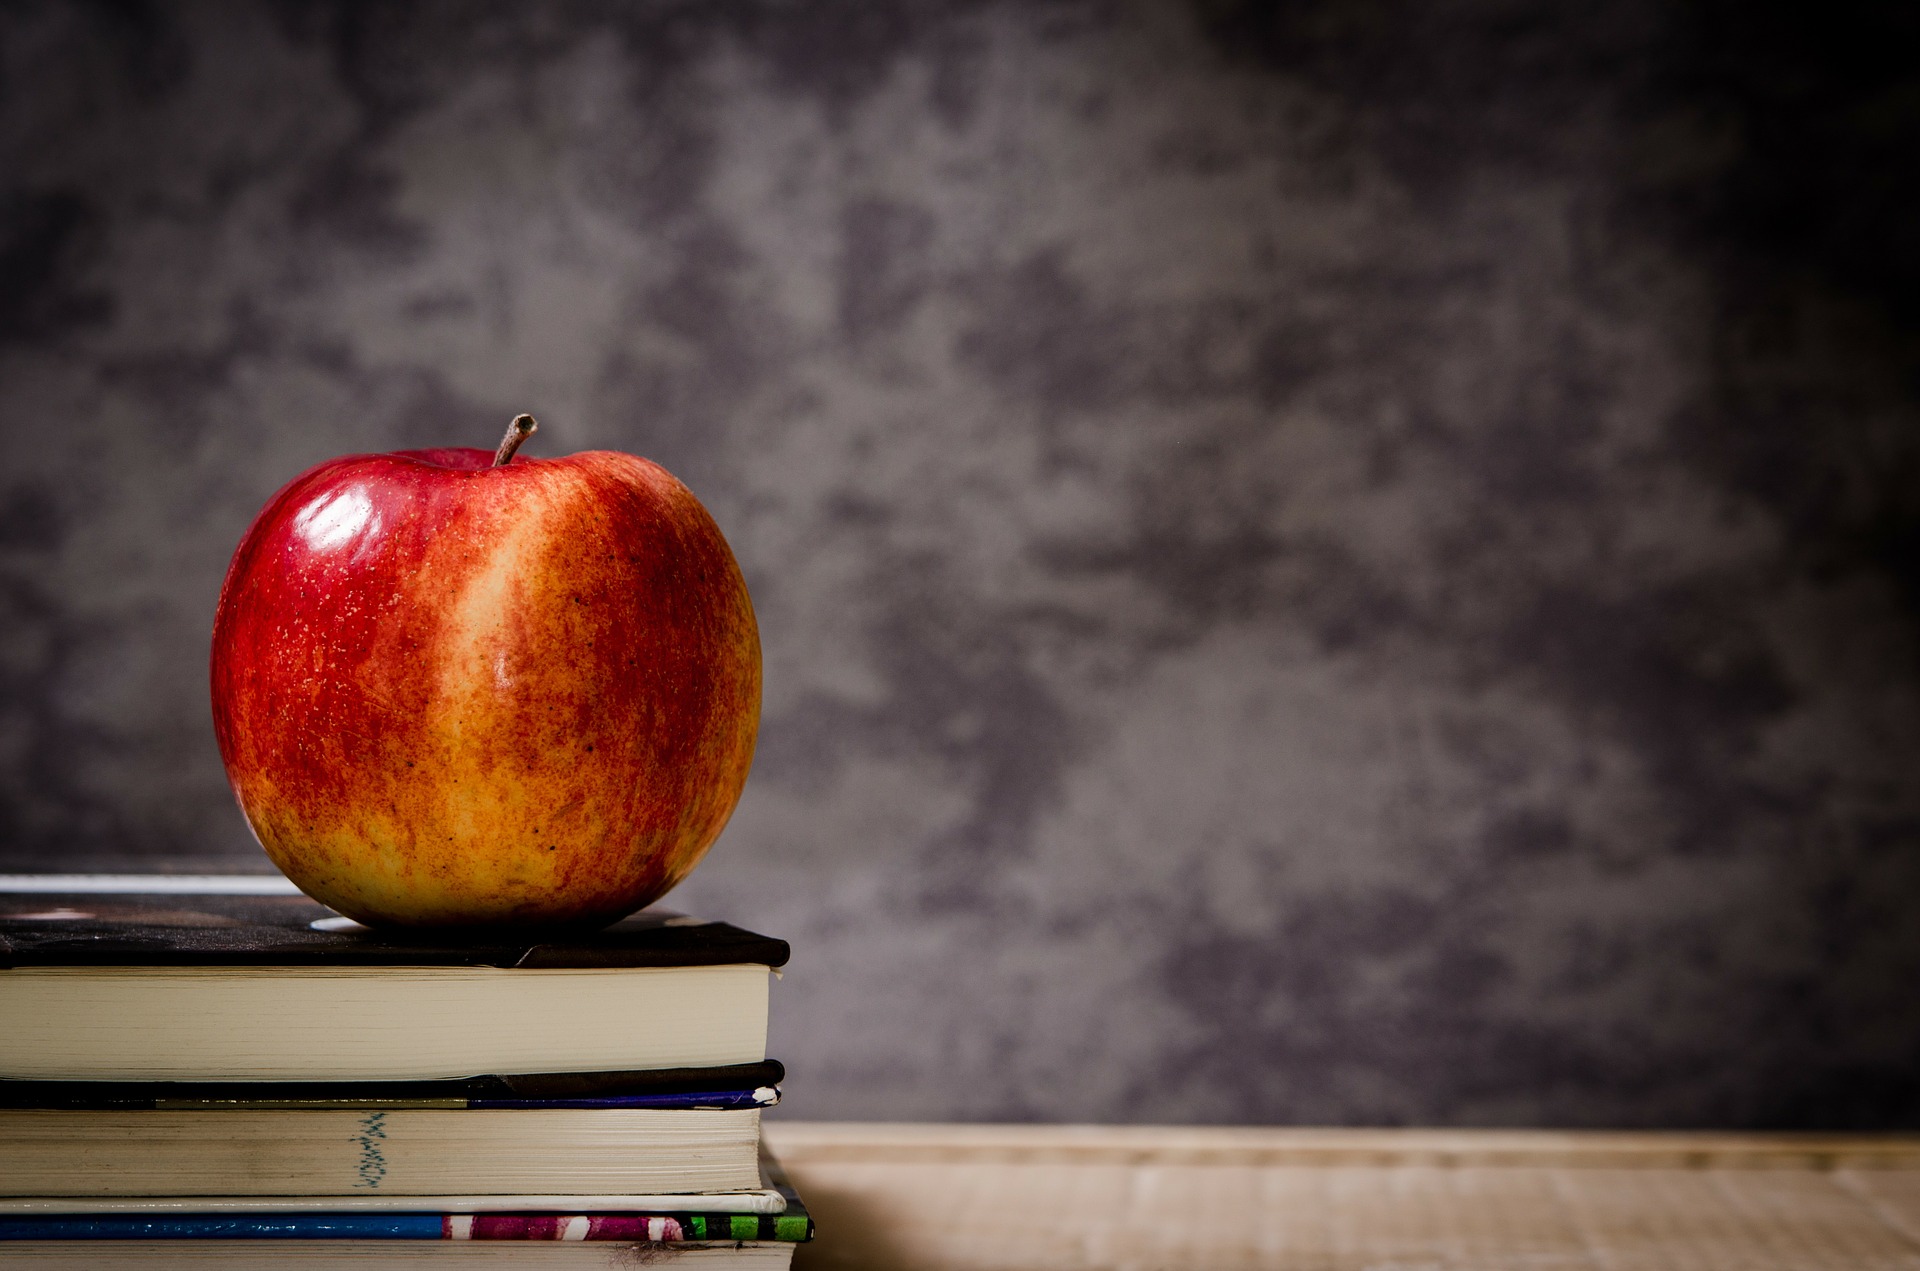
x,y
148,885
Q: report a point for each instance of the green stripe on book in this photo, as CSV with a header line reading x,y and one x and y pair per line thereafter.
x,y
791,1227
696,1226
745,1226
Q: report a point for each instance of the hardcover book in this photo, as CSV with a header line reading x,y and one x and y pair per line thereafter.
x,y
386,1151
102,985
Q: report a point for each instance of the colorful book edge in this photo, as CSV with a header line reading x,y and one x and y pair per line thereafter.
x,y
794,1226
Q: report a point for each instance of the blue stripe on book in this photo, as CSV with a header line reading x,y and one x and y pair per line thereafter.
x,y
373,1226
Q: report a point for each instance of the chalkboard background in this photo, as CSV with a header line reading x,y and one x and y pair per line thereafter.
x,y
1352,566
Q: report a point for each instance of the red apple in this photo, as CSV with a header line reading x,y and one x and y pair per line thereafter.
x,y
452,689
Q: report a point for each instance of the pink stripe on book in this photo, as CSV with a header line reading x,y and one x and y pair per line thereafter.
x,y
561,1227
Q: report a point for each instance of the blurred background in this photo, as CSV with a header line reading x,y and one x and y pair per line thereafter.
x,y
1330,563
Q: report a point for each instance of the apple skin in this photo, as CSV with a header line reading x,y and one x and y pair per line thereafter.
x,y
450,694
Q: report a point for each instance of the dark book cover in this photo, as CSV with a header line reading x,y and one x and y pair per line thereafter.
x,y
99,928
734,1086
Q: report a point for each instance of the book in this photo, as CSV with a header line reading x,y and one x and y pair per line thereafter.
x,y
392,1150
219,986
791,1226
707,1237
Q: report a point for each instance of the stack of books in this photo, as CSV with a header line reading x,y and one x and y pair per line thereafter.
x,y
192,1075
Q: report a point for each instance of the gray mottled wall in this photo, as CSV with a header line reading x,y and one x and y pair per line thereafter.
x,y
1342,566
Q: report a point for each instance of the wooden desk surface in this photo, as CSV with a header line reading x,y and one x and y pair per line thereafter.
x,y
909,1197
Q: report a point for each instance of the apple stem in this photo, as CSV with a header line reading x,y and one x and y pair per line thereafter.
x,y
518,431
